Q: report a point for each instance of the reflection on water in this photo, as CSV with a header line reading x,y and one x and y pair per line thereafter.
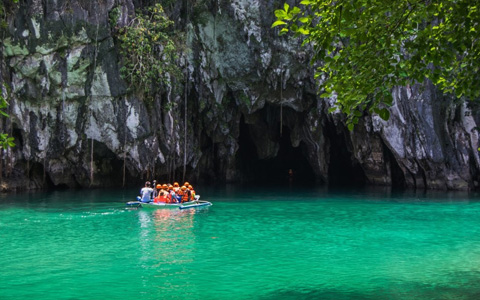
x,y
173,219
167,236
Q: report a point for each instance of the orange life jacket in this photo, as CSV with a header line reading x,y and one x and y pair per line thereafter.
x,y
192,195
160,198
184,195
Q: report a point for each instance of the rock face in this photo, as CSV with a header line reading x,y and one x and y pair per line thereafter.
x,y
248,110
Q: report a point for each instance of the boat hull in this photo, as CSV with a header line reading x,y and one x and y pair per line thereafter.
x,y
185,205
195,204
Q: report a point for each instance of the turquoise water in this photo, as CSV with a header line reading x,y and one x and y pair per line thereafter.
x,y
251,244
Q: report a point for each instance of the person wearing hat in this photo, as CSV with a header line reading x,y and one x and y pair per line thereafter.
x,y
176,187
158,189
171,197
192,192
184,194
161,198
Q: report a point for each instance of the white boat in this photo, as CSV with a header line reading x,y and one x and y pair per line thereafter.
x,y
195,203
191,204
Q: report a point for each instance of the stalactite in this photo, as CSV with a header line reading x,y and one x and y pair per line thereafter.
x,y
44,170
90,93
1,154
8,150
215,26
169,179
185,133
91,163
64,138
153,169
1,164
124,156
185,124
172,135
173,168
281,102
10,160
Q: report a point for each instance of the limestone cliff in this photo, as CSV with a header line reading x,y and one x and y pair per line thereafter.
x,y
251,108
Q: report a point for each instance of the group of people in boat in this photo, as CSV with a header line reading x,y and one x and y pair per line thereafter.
x,y
167,193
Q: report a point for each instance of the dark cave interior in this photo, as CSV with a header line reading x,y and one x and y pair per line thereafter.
x,y
343,171
274,170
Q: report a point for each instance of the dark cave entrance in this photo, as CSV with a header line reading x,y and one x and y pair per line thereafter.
x,y
274,171
342,169
397,176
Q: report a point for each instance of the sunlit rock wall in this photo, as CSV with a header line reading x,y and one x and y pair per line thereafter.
x,y
77,124
70,113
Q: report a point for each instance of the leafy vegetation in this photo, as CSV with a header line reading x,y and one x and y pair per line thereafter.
x,y
4,5
366,47
5,140
150,49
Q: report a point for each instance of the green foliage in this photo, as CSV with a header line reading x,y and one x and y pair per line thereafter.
x,y
366,47
5,141
149,49
4,5
113,16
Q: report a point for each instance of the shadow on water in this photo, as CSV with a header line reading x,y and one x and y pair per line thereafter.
x,y
306,192
291,191
467,290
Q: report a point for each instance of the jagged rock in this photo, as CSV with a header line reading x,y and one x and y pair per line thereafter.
x,y
76,123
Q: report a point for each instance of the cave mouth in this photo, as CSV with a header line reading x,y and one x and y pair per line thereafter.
x,y
272,171
343,170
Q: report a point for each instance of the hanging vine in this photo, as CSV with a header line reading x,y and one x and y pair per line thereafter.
x,y
90,94
281,102
186,107
149,48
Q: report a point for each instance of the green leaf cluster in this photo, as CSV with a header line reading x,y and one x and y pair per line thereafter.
x,y
364,48
4,4
149,48
5,140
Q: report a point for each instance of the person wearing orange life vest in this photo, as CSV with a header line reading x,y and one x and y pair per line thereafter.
x,y
171,196
156,193
161,198
184,194
187,184
192,192
176,187
158,189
